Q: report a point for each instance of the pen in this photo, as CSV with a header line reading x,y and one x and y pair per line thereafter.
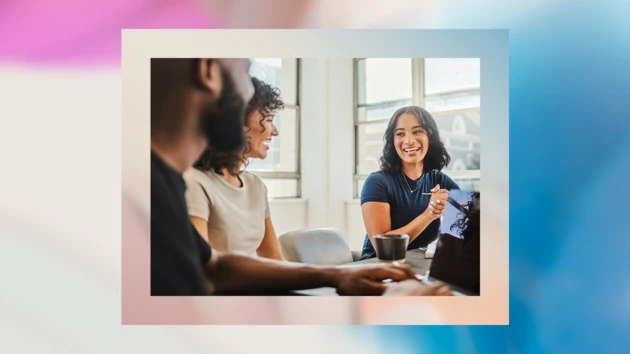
x,y
457,205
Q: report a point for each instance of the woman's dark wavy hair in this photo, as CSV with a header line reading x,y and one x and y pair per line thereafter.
x,y
436,158
467,224
266,101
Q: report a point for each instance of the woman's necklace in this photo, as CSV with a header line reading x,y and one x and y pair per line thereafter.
x,y
407,183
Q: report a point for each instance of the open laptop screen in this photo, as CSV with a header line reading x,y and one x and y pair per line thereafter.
x,y
456,259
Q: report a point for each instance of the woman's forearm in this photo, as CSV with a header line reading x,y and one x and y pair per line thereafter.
x,y
269,247
271,253
414,228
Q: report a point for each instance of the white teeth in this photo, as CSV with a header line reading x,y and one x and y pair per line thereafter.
x,y
411,150
266,143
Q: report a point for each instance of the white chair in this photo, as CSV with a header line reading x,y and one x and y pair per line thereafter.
x,y
323,246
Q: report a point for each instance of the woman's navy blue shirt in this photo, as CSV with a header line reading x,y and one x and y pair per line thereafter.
x,y
404,206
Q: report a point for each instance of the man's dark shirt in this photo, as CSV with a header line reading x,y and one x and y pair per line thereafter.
x,y
178,252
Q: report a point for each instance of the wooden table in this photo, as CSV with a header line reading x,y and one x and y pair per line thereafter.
x,y
415,259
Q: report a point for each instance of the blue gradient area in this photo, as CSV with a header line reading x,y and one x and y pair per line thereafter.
x,y
569,176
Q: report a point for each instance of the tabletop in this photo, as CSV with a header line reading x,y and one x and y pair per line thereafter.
x,y
414,259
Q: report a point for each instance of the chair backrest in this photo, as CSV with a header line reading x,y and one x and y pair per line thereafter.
x,y
324,246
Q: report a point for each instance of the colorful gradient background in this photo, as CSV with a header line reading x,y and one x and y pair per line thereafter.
x,y
569,167
315,47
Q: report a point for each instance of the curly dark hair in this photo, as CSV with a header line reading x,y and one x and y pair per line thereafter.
x,y
467,224
266,101
436,158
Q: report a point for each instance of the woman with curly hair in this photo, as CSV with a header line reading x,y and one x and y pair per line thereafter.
x,y
227,205
408,194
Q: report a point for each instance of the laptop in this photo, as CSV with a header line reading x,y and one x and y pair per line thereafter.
x,y
456,259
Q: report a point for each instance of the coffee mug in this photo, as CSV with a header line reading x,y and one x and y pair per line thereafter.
x,y
391,247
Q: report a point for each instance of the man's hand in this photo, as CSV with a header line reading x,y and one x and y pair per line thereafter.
x,y
369,281
416,288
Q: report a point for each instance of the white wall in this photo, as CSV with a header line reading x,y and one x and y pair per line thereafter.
x,y
355,231
340,141
327,154
288,214
314,140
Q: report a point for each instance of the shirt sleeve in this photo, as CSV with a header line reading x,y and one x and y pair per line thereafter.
x,y
197,199
447,183
374,189
266,195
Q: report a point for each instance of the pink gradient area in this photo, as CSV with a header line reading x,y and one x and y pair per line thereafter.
x,y
138,307
85,32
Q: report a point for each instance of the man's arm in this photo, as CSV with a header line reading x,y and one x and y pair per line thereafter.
x,y
234,273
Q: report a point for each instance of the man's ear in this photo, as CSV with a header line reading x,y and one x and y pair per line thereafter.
x,y
208,76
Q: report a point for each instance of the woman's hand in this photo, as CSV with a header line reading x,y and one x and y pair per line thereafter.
x,y
435,210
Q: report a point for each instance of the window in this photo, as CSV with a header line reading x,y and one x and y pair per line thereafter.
x,y
449,88
281,169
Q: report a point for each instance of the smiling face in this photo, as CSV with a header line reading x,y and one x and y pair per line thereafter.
x,y
260,130
410,139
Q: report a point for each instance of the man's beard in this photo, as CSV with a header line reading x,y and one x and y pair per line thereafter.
x,y
223,127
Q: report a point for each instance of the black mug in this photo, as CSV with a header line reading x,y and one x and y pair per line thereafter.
x,y
391,248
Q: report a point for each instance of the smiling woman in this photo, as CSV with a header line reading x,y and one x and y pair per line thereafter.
x,y
228,206
280,169
408,194
260,112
